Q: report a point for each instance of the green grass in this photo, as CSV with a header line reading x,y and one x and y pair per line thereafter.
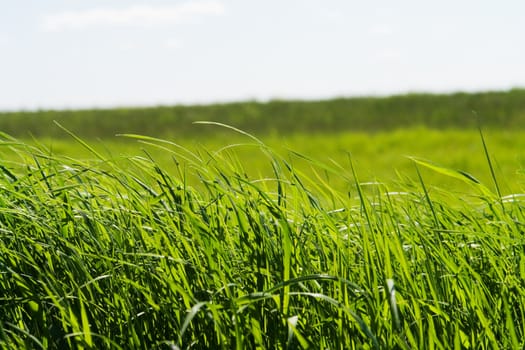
x,y
497,110
380,156
127,252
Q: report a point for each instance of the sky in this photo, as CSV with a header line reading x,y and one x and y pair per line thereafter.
x,y
63,54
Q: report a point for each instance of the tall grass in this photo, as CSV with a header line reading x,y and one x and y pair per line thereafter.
x,y
125,254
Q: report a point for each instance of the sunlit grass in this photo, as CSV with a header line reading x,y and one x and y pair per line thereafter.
x,y
382,156
127,252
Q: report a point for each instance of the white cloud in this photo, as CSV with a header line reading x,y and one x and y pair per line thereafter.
x,y
138,15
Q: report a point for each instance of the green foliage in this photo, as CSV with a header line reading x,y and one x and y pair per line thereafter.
x,y
381,155
504,110
126,254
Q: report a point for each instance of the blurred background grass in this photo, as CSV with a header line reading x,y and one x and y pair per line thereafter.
x,y
502,110
376,133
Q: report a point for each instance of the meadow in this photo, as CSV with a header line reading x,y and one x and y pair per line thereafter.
x,y
381,156
499,110
398,232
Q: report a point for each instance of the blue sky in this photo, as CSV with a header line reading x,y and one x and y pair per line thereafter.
x,y
80,54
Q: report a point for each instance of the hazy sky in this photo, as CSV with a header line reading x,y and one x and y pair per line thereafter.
x,y
75,54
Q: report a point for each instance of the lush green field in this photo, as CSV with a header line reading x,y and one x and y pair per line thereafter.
x,y
496,110
377,132
382,156
333,237
116,253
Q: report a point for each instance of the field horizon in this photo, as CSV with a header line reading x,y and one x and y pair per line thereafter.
x,y
491,109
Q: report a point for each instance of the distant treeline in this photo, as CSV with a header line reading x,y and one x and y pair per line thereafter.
x,y
370,114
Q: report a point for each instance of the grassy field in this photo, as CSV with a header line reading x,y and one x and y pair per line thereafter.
x,y
496,110
95,255
381,156
378,133
300,239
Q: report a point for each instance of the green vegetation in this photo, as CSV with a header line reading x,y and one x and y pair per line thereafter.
x,y
380,156
377,132
333,233
125,254
504,110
